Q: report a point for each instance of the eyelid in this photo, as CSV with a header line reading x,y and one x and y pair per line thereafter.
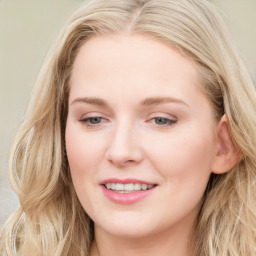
x,y
92,114
171,120
164,115
85,119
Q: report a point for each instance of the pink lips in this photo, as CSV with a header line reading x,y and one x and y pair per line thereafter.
x,y
126,198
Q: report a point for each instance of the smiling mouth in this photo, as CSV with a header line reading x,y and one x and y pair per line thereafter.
x,y
128,188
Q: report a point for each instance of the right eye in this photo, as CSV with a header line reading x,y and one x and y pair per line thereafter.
x,y
92,121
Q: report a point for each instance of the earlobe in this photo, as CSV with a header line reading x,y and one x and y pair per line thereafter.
x,y
228,154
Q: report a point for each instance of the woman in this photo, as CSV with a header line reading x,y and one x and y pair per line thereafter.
x,y
139,138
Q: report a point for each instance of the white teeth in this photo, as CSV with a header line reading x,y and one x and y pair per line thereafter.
x,y
144,186
127,188
137,186
119,186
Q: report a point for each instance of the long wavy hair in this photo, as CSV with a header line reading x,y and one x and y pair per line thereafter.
x,y
50,220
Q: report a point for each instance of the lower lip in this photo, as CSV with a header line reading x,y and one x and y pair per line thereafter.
x,y
126,198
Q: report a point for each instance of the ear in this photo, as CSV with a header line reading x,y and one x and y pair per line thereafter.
x,y
227,154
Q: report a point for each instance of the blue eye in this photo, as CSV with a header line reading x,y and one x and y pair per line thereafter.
x,y
162,121
92,121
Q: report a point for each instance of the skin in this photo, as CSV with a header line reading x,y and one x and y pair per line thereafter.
x,y
128,141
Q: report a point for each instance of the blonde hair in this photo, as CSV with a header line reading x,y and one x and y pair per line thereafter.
x,y
50,220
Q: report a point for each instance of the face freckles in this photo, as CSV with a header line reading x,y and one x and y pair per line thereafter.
x,y
137,115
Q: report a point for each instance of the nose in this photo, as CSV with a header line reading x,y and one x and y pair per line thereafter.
x,y
124,147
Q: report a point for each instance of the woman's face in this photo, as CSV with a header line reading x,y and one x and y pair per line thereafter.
x,y
140,136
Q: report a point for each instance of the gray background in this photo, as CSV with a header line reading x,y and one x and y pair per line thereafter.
x,y
28,28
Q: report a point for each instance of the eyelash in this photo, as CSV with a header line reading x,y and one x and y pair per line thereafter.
x,y
86,121
168,120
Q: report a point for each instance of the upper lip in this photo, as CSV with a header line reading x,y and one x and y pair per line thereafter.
x,y
125,181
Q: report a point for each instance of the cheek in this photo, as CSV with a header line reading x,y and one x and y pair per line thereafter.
x,y
184,155
83,153
84,156
184,162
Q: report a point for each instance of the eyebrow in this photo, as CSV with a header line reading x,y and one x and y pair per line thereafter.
x,y
145,102
162,100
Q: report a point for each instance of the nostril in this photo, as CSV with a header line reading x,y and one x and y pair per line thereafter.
x,y
121,159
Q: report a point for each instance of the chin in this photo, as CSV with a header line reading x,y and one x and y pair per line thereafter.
x,y
128,226
129,233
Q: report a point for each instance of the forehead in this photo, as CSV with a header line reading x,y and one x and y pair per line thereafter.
x,y
125,64
130,51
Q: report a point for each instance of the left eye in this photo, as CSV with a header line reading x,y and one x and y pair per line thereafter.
x,y
162,121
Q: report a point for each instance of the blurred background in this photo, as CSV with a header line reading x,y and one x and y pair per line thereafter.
x,y
27,30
